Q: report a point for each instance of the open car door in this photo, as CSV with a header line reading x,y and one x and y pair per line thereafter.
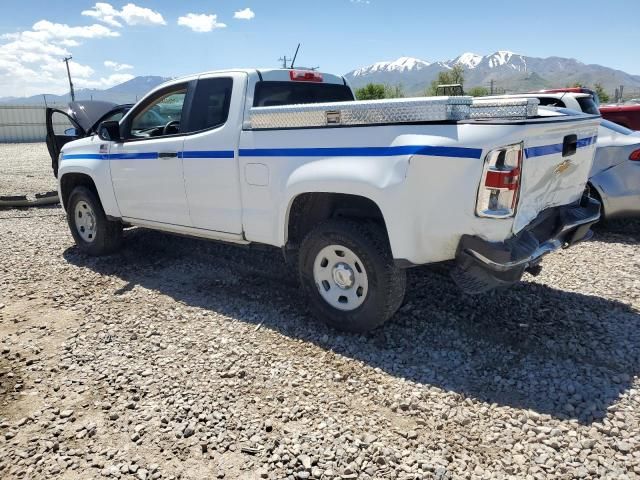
x,y
61,129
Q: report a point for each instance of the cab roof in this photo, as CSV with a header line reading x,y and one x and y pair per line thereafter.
x,y
267,74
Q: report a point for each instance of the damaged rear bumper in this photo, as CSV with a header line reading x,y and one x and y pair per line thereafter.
x,y
483,265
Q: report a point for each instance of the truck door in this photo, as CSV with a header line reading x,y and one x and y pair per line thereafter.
x,y
61,129
146,167
209,159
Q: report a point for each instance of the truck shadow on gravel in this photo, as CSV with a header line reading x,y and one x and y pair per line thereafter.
x,y
532,347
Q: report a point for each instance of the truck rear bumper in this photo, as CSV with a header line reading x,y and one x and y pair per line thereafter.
x,y
483,265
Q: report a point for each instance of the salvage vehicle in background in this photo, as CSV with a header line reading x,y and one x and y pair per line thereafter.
x,y
579,101
615,176
354,192
626,115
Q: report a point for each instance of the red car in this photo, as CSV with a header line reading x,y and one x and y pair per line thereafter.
x,y
625,115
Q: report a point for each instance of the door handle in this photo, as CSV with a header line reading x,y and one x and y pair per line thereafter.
x,y
167,155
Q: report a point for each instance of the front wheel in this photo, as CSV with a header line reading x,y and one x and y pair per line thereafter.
x,y
93,232
347,271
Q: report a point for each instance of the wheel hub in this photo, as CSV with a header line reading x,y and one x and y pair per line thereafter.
x,y
85,220
343,276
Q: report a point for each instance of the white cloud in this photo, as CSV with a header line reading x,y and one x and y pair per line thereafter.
x,y
200,22
49,30
131,14
246,14
31,60
118,67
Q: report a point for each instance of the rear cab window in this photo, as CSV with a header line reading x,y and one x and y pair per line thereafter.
x,y
588,105
274,93
210,105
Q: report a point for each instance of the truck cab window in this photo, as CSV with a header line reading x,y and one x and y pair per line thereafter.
x,y
161,116
210,105
269,94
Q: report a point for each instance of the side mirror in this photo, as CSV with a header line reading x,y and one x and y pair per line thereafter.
x,y
71,132
109,131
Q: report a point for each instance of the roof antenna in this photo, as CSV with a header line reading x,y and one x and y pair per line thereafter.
x,y
294,56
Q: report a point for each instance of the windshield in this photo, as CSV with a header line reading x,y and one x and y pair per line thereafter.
x,y
615,127
270,94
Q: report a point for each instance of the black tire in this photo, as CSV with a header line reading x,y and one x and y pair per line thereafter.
x,y
386,282
108,234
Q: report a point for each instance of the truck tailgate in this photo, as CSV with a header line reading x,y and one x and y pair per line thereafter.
x,y
548,177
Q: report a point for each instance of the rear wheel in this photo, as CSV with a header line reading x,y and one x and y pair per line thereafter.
x,y
347,271
93,232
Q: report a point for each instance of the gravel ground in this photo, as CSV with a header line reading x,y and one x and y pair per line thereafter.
x,y
25,169
180,358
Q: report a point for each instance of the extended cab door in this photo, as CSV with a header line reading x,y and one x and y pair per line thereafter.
x,y
210,165
61,129
146,167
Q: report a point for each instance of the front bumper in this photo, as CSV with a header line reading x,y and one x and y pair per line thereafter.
x,y
483,265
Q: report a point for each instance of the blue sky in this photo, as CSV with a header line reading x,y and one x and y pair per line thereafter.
x,y
147,38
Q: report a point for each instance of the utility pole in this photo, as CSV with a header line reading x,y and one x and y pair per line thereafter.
x,y
492,85
284,61
73,94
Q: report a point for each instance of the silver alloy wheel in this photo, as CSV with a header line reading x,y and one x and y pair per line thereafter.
x,y
340,277
85,220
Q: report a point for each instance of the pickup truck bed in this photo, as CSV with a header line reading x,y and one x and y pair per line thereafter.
x,y
354,192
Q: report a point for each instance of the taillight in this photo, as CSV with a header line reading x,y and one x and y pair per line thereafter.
x,y
305,76
635,155
500,185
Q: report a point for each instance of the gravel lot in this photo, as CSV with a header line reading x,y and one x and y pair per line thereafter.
x,y
25,169
180,358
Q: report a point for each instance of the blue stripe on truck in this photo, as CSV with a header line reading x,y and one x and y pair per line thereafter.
x,y
207,154
557,148
427,150
461,152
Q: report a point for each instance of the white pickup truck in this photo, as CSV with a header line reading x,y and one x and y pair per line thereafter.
x,y
353,192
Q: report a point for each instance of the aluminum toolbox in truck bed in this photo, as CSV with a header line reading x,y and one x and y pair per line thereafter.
x,y
390,111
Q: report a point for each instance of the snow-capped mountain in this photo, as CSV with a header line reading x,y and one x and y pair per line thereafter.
x,y
509,71
403,64
467,60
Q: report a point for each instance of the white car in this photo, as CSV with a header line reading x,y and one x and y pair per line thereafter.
x,y
615,176
353,192
581,102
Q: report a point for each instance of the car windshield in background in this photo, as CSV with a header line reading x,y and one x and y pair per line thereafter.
x,y
615,127
588,105
269,94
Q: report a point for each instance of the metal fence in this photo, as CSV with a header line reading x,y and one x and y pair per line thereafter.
x,y
24,123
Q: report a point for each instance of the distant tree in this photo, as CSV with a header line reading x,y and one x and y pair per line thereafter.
x,y
575,85
377,91
448,77
478,92
371,91
393,91
599,89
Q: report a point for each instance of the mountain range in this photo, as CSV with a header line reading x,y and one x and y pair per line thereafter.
x,y
510,72
127,92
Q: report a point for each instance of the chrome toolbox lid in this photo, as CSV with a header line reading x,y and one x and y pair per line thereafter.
x,y
367,112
